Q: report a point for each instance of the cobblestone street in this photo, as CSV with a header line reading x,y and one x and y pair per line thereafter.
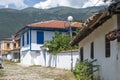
x,y
14,71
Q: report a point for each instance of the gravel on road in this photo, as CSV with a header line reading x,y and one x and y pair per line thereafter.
x,y
14,71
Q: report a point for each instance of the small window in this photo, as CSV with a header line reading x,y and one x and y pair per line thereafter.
x,y
81,54
0,45
23,40
8,45
92,51
107,47
14,45
18,42
27,37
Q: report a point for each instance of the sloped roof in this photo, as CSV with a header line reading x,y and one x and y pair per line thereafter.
x,y
95,21
55,24
5,39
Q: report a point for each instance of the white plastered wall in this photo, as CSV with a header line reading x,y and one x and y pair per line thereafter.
x,y
107,65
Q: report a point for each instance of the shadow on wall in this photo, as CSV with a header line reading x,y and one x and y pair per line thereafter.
x,y
52,60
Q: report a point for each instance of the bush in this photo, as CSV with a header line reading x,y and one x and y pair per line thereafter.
x,y
84,70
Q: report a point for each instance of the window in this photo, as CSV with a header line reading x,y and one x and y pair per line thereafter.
x,y
14,45
118,25
107,47
81,54
0,46
27,37
92,51
23,40
40,37
8,45
18,42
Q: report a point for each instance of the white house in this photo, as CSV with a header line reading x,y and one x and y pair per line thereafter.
x,y
99,39
34,35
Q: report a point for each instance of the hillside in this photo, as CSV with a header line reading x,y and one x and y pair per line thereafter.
x,y
12,20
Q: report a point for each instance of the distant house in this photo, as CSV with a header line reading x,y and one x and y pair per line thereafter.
x,y
100,39
34,35
9,49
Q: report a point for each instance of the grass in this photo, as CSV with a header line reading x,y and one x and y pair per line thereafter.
x,y
67,76
2,73
53,73
9,62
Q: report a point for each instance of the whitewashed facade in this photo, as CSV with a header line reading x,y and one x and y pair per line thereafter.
x,y
109,66
95,45
33,38
61,60
64,59
31,52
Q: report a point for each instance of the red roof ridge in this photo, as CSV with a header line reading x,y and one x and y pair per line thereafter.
x,y
46,22
55,24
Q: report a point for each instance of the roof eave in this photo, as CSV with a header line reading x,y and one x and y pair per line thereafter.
x,y
86,30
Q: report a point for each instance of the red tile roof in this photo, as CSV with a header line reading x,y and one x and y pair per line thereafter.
x,y
55,24
51,24
95,21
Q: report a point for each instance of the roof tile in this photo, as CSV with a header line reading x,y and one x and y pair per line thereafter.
x,y
55,24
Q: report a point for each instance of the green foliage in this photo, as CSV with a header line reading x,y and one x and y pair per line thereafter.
x,y
59,43
84,70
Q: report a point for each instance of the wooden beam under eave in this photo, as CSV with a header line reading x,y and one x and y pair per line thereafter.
x,y
118,24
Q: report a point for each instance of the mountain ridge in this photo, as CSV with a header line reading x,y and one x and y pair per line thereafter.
x,y
11,20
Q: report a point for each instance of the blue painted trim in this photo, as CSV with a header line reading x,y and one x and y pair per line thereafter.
x,y
34,50
50,29
23,31
23,40
28,37
46,29
30,40
31,50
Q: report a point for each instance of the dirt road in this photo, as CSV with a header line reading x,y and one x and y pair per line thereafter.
x,y
13,71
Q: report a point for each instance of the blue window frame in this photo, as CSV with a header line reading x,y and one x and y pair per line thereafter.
x,y
23,40
40,37
27,37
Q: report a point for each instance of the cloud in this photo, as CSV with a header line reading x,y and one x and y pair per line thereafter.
x,y
46,4
70,3
90,3
19,4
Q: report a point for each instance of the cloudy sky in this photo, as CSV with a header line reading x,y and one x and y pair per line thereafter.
x,y
44,4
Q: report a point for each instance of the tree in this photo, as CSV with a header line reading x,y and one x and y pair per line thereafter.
x,y
58,43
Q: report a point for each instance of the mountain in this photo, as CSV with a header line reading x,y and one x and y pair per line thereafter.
x,y
12,20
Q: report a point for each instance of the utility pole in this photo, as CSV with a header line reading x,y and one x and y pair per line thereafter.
x,y
70,19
